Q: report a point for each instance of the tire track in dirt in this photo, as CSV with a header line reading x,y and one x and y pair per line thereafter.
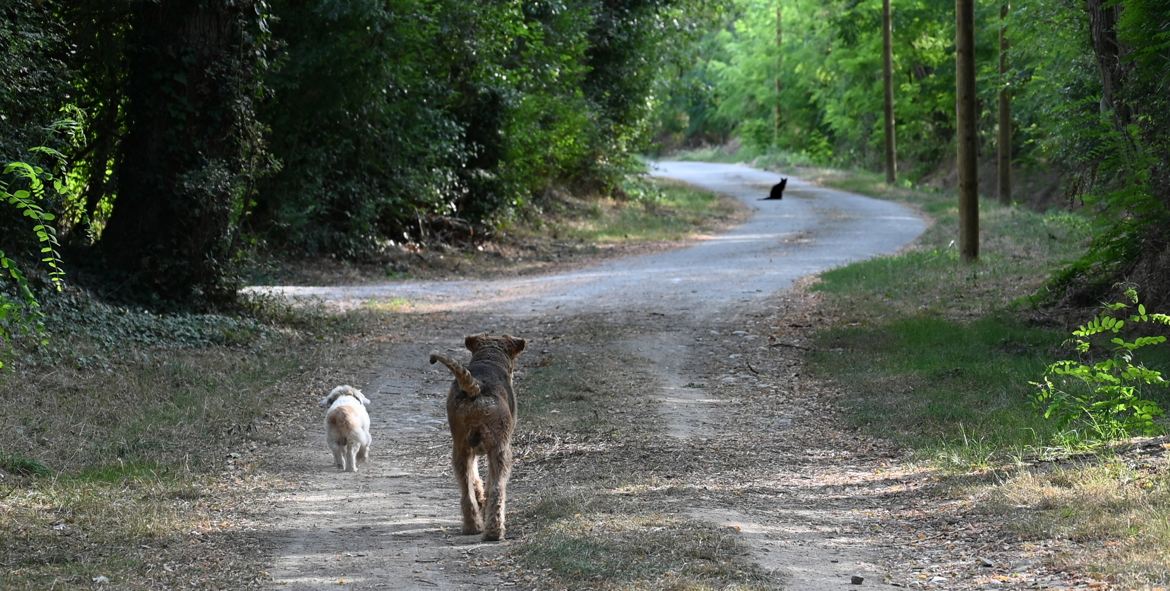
x,y
394,524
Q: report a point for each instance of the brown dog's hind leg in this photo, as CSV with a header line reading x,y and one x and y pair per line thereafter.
x,y
499,470
470,491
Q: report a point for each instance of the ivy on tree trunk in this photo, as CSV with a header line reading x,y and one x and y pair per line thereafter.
x,y
191,149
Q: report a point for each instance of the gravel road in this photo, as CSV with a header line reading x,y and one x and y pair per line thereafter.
x,y
673,316
812,229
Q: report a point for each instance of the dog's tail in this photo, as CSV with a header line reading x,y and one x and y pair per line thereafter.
x,y
466,381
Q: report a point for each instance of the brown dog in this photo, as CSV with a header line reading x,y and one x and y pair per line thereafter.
x,y
481,410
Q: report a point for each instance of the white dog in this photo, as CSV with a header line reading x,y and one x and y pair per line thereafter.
x,y
347,426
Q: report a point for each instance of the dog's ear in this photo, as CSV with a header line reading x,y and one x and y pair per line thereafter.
x,y
362,397
333,395
474,342
514,345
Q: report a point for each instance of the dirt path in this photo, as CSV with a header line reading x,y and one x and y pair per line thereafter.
x,y
389,526
668,384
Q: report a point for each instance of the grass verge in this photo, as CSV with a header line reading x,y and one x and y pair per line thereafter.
x,y
125,445
554,230
654,211
938,355
940,352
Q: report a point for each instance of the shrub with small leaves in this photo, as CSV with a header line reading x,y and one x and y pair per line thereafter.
x,y
21,314
1098,398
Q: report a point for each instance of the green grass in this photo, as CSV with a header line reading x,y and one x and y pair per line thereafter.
x,y
23,466
708,154
938,355
742,153
660,211
934,383
125,472
389,305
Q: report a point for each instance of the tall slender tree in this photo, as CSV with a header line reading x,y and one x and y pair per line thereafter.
x,y
777,120
1004,141
888,84
965,126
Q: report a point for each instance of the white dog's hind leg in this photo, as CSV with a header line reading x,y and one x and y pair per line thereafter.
x,y
351,452
337,449
364,450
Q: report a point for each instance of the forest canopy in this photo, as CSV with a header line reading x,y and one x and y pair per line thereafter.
x,y
181,132
170,136
1087,83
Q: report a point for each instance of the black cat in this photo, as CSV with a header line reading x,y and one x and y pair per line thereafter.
x,y
777,190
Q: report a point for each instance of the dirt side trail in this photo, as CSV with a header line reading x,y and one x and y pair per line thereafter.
x,y
664,415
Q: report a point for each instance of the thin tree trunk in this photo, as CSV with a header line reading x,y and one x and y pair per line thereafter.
x,y
778,120
1103,16
1004,142
965,123
888,83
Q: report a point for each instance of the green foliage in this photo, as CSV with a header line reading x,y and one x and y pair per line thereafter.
x,y
192,152
1099,122
1093,398
829,66
385,113
33,74
321,127
22,315
104,335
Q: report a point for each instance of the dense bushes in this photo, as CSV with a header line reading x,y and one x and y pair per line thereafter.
x,y
385,112
320,126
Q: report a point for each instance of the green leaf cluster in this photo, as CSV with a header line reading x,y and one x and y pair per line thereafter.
x,y
1098,398
21,315
324,127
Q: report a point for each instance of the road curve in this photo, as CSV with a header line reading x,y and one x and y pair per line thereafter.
x,y
811,230
395,525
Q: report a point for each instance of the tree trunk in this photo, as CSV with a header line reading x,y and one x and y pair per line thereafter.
x,y
777,118
1004,142
888,84
185,159
965,124
1133,94
1103,15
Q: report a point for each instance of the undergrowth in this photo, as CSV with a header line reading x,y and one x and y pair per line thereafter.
x,y
652,211
115,434
943,358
